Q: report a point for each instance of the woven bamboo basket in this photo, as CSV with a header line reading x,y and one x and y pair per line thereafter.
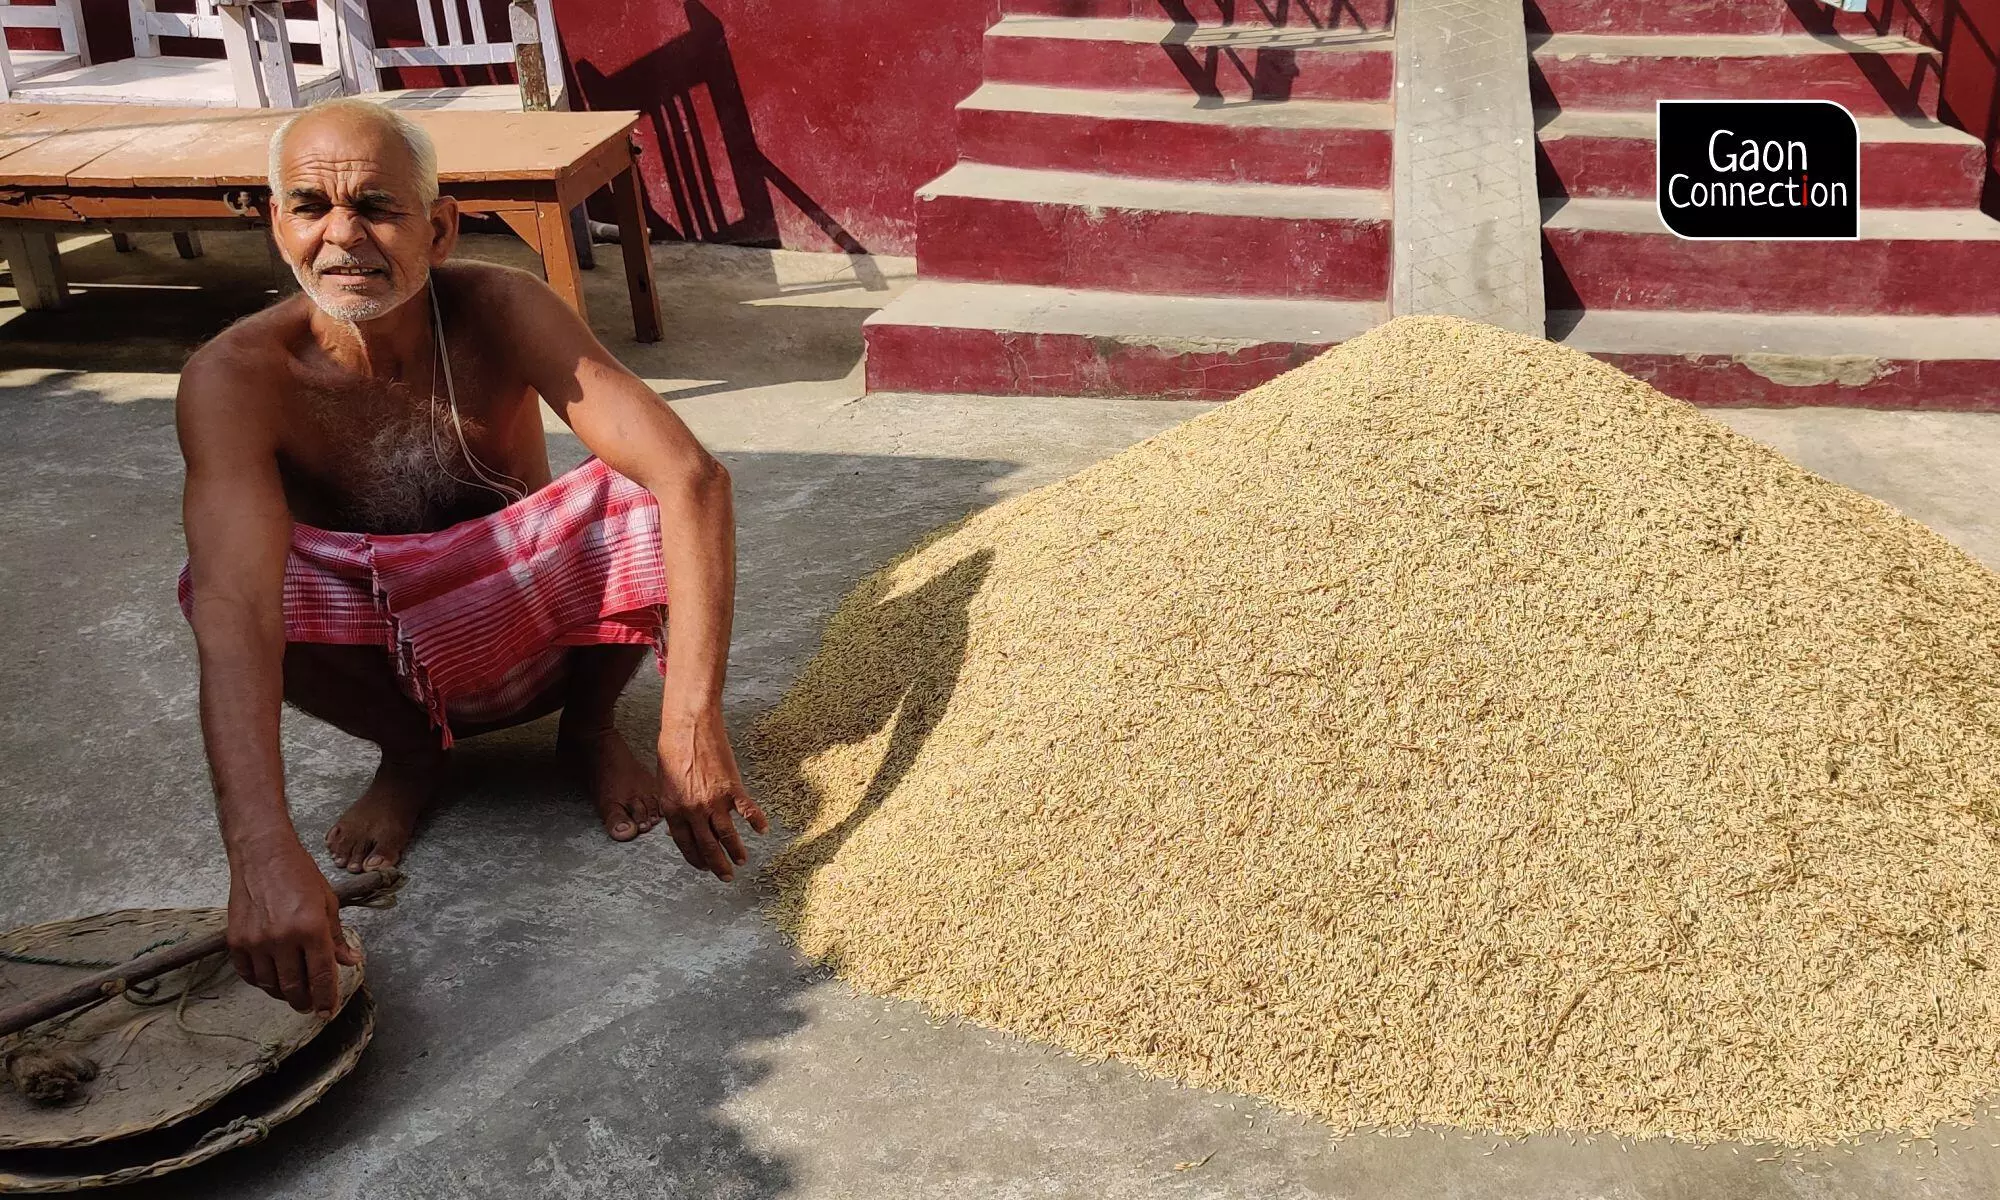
x,y
176,1069
243,1118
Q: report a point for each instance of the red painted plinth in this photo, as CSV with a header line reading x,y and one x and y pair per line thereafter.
x,y
1893,174
915,358
1176,150
1143,250
1249,73
1591,268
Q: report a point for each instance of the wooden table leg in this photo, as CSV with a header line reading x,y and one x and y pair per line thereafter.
x,y
526,225
36,265
559,255
579,228
633,239
188,243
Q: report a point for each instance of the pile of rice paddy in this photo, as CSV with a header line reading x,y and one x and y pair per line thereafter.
x,y
1453,731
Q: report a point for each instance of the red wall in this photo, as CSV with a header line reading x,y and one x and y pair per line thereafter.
x,y
1969,33
814,121
811,122
806,122
803,122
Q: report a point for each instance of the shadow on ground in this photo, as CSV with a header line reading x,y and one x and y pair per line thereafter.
x,y
559,1014
924,632
734,318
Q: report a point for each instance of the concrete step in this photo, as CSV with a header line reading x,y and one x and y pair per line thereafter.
x,y
983,223
1872,76
1309,14
1906,162
1781,360
999,340
1711,16
1333,142
1615,254
1237,62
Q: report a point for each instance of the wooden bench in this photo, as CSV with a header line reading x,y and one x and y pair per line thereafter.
x,y
127,168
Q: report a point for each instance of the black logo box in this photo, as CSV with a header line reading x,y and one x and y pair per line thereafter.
x,y
1765,170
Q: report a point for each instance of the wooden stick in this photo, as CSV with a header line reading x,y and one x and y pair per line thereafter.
x,y
355,889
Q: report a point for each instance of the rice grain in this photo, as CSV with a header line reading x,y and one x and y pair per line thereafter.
x,y
1453,731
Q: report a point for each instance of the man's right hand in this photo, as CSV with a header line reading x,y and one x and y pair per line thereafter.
x,y
284,927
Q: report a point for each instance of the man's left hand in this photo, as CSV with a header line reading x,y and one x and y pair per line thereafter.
x,y
700,791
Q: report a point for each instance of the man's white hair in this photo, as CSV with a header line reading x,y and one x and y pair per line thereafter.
x,y
422,152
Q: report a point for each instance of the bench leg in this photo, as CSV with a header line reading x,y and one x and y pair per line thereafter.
x,y
559,263
633,240
122,243
579,231
188,243
36,265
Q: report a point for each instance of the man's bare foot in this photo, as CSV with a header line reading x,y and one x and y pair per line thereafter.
x,y
373,831
626,794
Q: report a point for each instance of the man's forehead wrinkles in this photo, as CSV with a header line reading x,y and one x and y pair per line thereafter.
x,y
358,177
362,163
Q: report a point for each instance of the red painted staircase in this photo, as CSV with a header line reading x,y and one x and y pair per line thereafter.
x,y
1907,317
1182,198
1154,198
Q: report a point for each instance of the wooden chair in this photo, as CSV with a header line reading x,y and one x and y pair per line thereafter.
x,y
257,69
532,48
450,40
20,66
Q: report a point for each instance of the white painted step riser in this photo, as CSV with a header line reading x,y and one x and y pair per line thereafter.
x,y
1027,186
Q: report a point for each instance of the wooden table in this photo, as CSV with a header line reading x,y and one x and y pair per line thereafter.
x,y
137,167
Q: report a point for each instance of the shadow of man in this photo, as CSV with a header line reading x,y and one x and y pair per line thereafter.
x,y
885,658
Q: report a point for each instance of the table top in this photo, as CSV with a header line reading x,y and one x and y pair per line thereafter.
x,y
132,145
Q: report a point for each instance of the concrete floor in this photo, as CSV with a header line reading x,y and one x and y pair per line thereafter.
x,y
563,1016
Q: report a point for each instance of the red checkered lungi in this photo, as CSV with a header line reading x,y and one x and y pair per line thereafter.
x,y
476,618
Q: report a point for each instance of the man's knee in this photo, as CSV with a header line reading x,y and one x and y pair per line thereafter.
x,y
354,689
314,670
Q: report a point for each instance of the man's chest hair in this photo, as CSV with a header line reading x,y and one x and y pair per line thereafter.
x,y
387,457
342,409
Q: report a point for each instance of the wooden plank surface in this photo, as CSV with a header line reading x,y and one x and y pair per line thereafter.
x,y
538,145
190,148
13,116
135,145
22,125
45,157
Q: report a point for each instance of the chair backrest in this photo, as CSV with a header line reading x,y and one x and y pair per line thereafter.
x,y
451,39
149,25
61,16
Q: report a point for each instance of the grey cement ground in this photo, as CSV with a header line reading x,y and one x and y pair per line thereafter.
x,y
566,1017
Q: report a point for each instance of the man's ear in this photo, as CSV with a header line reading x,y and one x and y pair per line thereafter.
x,y
444,229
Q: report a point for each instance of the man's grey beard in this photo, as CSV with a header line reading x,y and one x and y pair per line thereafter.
x,y
353,310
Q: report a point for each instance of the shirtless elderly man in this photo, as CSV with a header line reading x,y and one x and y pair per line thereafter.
x,y
374,536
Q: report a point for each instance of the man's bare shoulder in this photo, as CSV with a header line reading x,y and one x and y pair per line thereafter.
x,y
245,365
256,348
521,321
500,290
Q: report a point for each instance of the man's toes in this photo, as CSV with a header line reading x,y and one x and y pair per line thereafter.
x,y
618,821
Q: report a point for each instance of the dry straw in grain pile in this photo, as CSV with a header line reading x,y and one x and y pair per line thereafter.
x,y
1454,730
